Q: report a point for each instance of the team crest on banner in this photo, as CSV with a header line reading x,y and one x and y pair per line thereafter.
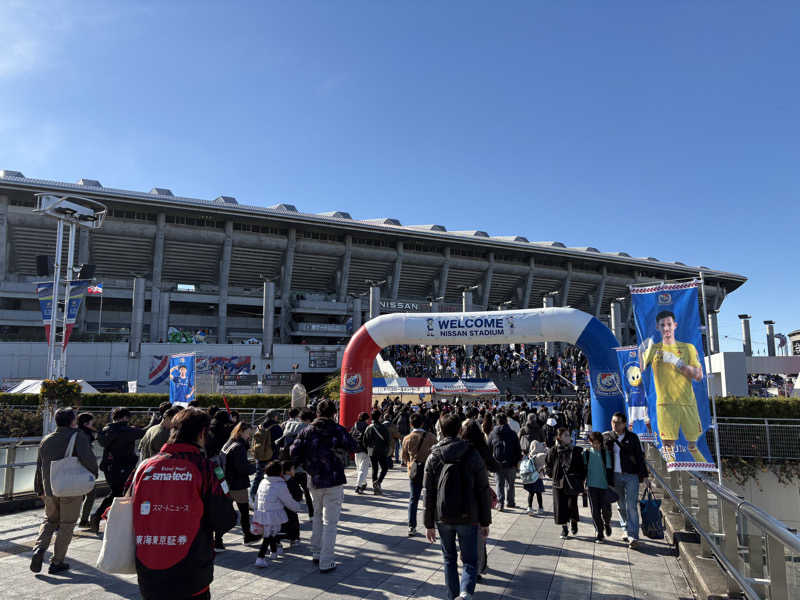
x,y
181,378
672,373
635,400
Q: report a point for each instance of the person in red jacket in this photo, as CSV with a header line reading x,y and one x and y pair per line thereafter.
x,y
179,502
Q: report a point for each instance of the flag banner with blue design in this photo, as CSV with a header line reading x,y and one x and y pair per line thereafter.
x,y
635,400
672,368
181,378
77,291
44,291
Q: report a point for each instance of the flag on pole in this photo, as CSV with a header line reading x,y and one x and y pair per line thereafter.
x,y
96,289
77,290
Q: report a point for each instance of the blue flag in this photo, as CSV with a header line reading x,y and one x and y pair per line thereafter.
x,y
635,400
181,378
673,372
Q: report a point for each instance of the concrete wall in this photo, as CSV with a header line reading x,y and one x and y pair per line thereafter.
x,y
766,492
111,360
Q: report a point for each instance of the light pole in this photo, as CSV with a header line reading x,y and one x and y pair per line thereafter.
x,y
74,211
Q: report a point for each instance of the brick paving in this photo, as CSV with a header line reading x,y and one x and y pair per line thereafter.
x,y
377,561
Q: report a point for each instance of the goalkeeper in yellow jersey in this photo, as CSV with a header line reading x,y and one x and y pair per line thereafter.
x,y
675,366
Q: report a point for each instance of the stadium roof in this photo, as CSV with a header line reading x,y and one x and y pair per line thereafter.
x,y
164,197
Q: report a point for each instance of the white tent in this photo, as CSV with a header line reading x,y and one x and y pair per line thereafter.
x,y
34,386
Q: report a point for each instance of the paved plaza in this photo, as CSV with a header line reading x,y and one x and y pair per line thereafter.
x,y
377,561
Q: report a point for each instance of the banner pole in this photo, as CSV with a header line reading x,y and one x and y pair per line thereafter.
x,y
67,292
708,380
51,348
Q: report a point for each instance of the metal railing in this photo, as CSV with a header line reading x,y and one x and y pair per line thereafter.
x,y
18,455
767,439
759,554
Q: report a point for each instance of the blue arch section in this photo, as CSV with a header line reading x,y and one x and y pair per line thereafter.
x,y
598,343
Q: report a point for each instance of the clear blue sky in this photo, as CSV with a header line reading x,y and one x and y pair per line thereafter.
x,y
661,129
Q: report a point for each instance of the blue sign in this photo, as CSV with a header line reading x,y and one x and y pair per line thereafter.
x,y
673,374
77,290
44,291
181,378
635,400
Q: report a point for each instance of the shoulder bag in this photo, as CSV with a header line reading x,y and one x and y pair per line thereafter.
x,y
68,477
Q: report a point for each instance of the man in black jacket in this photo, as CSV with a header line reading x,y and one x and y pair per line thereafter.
x,y
378,441
458,504
630,469
504,444
118,440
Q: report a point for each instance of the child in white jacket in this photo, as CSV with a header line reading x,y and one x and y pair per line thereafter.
x,y
272,497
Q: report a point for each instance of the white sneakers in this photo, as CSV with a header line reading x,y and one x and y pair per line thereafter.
x,y
261,563
531,512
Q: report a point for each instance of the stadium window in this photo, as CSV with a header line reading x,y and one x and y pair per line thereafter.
x,y
186,287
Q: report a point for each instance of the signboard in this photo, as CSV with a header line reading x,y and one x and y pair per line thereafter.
x,y
672,373
234,380
181,378
322,359
393,306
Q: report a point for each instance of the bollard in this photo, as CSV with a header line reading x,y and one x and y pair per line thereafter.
x,y
703,519
730,543
686,498
776,563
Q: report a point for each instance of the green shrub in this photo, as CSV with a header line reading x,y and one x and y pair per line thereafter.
x,y
20,423
61,391
759,408
112,400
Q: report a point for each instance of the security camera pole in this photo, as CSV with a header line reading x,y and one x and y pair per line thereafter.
x,y
75,211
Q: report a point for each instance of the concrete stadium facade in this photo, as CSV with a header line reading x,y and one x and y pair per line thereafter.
x,y
311,272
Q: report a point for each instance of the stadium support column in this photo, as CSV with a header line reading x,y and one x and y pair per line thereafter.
x,y
155,284
356,314
374,302
3,237
444,274
487,282
747,346
137,316
713,332
601,290
466,306
770,337
526,295
616,320
565,287
345,277
163,317
224,273
286,285
268,319
547,302
398,269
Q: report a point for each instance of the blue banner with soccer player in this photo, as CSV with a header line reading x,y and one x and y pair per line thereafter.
x,y
181,378
671,357
635,400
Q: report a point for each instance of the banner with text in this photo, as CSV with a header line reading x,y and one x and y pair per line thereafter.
x,y
671,361
77,291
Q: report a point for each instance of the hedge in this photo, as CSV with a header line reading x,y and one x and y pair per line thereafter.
x,y
759,408
112,400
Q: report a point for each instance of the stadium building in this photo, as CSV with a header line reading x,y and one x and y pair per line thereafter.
x,y
172,267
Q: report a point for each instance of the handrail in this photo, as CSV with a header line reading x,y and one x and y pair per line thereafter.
x,y
729,567
769,523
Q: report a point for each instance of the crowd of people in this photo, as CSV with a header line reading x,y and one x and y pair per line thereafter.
x,y
557,374
447,449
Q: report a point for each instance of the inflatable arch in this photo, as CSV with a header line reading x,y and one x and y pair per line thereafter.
x,y
528,326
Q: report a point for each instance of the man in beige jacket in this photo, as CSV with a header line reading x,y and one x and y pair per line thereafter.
x,y
416,448
60,513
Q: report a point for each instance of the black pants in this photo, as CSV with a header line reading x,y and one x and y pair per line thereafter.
x,y
382,462
601,510
269,543
291,529
116,478
538,499
302,481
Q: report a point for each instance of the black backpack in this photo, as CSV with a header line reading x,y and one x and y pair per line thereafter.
x,y
453,491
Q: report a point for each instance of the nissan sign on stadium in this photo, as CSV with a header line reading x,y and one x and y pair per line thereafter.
x,y
393,306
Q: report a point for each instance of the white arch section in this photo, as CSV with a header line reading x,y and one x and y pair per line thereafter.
x,y
528,326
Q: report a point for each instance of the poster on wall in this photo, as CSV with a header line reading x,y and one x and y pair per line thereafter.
x,y
181,378
671,362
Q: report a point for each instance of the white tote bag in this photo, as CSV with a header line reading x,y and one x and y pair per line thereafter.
x,y
118,553
68,477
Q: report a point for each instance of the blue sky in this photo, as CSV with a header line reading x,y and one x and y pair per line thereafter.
x,y
660,129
